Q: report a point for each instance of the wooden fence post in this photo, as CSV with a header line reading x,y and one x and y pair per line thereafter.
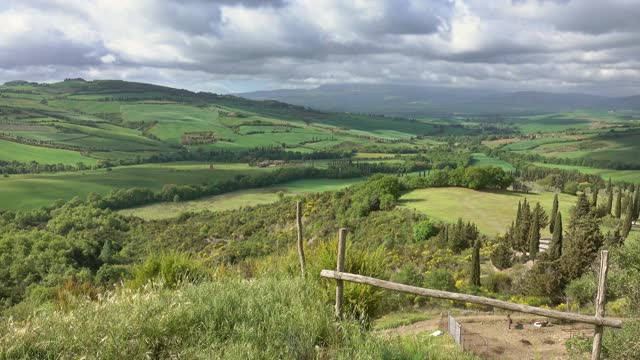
x,y
300,243
340,268
600,302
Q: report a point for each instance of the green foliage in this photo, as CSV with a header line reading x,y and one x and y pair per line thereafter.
x,y
169,270
617,212
556,245
233,319
583,290
498,283
360,301
440,279
424,230
502,256
475,264
570,188
545,279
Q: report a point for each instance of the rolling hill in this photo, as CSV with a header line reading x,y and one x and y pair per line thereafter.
x,y
78,121
416,101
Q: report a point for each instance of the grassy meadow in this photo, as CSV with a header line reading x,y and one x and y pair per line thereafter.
x,y
615,175
493,212
12,151
480,159
21,192
238,199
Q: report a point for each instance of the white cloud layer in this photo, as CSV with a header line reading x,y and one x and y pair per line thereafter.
x,y
240,45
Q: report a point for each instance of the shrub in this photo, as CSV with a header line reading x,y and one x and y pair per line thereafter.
x,y
424,230
440,279
169,270
570,187
499,283
363,302
502,256
583,290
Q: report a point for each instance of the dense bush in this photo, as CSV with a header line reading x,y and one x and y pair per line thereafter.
x,y
424,230
440,279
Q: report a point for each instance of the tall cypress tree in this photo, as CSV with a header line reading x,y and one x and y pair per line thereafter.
x,y
594,199
636,205
534,238
475,264
609,197
555,248
618,209
628,218
554,211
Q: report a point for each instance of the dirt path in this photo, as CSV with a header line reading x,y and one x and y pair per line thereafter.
x,y
489,335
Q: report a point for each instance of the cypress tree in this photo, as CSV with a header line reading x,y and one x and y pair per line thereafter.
x,y
534,238
475,264
594,199
609,197
581,209
555,248
107,252
628,218
554,211
636,205
618,209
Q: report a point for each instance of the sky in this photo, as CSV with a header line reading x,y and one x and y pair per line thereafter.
x,y
230,46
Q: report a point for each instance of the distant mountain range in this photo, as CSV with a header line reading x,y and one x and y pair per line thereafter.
x,y
422,101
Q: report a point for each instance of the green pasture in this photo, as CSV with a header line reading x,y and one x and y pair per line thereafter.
x,y
492,211
32,191
480,159
12,151
238,199
533,143
615,175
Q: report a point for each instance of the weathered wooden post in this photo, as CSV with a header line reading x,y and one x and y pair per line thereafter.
x,y
300,243
600,302
340,268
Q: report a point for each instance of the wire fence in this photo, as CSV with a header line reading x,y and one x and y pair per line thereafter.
x,y
468,340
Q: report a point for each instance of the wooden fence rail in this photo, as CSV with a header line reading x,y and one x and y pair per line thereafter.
x,y
593,320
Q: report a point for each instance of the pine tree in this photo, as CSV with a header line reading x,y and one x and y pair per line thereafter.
x,y
475,264
555,248
609,197
581,209
618,209
581,246
628,218
534,239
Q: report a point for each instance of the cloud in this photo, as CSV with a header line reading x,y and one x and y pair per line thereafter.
x,y
237,45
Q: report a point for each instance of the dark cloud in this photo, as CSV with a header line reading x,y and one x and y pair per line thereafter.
x,y
590,45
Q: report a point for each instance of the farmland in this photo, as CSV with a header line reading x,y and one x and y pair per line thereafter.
x,y
238,199
31,191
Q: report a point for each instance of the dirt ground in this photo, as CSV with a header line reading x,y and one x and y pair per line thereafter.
x,y
489,335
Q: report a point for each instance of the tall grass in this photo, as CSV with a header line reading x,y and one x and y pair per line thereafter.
x,y
266,318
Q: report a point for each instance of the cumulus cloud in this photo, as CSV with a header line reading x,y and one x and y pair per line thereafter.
x,y
240,45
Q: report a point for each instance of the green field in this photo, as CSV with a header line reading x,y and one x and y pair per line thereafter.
x,y
238,199
12,151
491,211
118,120
32,191
573,120
480,159
615,175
